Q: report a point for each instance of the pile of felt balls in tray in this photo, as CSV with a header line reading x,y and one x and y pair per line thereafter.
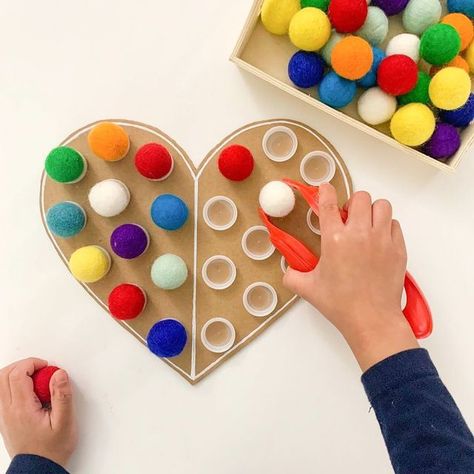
x,y
419,81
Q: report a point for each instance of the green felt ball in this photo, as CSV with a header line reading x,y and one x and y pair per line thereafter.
x,y
439,44
169,272
375,28
65,165
419,93
327,50
421,14
321,4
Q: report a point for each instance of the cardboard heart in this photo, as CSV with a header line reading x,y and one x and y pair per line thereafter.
x,y
194,303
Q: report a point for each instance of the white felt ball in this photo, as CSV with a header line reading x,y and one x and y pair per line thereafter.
x,y
277,199
375,106
405,43
109,198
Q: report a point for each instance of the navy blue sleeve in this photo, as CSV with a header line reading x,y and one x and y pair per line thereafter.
x,y
31,464
423,428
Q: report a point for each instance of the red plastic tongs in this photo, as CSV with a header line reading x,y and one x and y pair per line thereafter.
x,y
300,258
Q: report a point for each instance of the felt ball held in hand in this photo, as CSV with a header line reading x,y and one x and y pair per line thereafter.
x,y
109,198
370,79
439,44
336,91
277,199
375,106
375,27
450,88
391,7
169,272
169,212
461,117
277,14
352,58
420,15
463,26
65,165
444,142
109,141
404,43
306,69
397,74
419,93
462,6
41,379
126,301
66,219
154,162
413,124
236,163
347,16
129,241
310,29
90,264
167,338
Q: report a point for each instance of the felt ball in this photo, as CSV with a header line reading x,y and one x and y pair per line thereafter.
x,y
352,58
310,29
450,88
321,4
169,212
154,162
376,106
461,117
167,338
41,379
329,46
413,124
375,27
109,198
66,219
397,74
470,56
463,26
404,43
129,241
169,272
90,264
419,93
421,14
277,14
370,79
336,91
458,61
109,141
126,301
65,165
439,44
277,199
236,162
390,7
444,142
347,16
306,69
462,6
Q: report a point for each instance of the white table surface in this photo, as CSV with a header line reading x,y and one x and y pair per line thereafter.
x,y
290,402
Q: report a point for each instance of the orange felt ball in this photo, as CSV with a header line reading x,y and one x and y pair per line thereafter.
x,y
458,61
352,58
109,141
463,25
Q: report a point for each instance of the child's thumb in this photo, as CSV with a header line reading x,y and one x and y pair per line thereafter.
x,y
297,282
62,410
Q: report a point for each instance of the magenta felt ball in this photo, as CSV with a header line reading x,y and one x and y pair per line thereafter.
x,y
444,142
390,7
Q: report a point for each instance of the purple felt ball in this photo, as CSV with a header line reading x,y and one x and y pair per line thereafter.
x,y
444,142
129,241
390,7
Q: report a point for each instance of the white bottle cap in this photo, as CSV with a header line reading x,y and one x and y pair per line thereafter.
x,y
232,272
260,313
272,154
226,201
226,344
320,156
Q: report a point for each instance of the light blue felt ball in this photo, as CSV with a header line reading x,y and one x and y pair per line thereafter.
x,y
461,6
336,91
66,219
375,28
370,79
327,50
169,272
420,15
169,212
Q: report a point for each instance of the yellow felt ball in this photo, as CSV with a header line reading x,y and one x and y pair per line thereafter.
x,y
277,14
450,88
89,264
470,56
413,124
310,29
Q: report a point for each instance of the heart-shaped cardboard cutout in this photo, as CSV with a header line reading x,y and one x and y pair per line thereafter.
x,y
194,303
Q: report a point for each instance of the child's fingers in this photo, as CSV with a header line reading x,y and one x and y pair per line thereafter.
x,y
329,215
360,210
382,215
298,282
397,236
21,383
62,408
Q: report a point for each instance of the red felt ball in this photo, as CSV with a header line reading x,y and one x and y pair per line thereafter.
x,y
126,301
154,161
236,162
41,379
347,16
397,74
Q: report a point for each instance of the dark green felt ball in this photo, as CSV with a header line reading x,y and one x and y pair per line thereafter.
x,y
65,165
419,93
439,44
321,4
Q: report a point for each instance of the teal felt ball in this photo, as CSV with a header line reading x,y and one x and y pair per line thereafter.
x,y
336,91
66,219
439,44
329,46
375,28
461,6
420,15
169,272
419,93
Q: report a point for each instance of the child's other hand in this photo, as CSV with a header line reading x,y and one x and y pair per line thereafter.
x,y
28,428
359,280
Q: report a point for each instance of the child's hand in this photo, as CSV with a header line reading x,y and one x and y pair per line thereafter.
x,y
359,280
26,427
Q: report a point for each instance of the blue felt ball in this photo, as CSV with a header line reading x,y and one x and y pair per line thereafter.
x,y
370,79
169,212
461,117
461,6
336,91
167,338
66,219
306,69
